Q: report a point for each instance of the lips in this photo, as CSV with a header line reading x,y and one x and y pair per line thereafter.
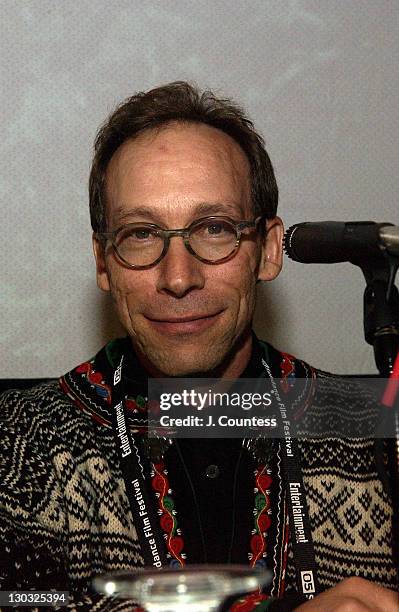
x,y
184,319
187,324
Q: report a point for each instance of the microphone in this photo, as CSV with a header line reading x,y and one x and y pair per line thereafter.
x,y
337,241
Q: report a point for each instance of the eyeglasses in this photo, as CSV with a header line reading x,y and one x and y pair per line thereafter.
x,y
212,240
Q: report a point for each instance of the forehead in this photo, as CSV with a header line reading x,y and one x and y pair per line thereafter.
x,y
179,165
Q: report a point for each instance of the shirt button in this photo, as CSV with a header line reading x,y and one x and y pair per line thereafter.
x,y
212,471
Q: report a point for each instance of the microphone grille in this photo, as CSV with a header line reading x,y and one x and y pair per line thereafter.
x,y
287,241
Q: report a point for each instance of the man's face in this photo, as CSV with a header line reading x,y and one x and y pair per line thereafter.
x,y
185,316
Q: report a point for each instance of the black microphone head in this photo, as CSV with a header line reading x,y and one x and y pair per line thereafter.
x,y
288,242
314,242
332,241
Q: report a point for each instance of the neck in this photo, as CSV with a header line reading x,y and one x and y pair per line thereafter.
x,y
235,362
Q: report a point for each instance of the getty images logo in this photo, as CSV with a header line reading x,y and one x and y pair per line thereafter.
x,y
307,583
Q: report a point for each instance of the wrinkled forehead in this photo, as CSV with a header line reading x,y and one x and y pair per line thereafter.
x,y
178,165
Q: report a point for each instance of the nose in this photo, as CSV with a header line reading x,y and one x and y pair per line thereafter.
x,y
179,271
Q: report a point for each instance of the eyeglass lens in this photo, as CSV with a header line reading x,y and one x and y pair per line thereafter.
x,y
142,245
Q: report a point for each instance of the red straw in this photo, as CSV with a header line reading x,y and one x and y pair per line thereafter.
x,y
392,388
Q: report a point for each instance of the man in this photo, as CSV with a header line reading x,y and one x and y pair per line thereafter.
x,y
183,205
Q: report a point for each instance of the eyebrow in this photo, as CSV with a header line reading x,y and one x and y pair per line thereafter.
x,y
137,211
201,209
205,208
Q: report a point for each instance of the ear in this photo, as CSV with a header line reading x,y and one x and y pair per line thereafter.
x,y
272,250
101,268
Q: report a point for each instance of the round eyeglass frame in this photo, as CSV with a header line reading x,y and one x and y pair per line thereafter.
x,y
184,232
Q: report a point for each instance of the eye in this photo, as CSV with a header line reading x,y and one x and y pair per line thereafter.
x,y
140,234
215,228
137,237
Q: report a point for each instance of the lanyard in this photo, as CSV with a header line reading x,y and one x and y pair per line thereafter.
x,y
301,536
136,473
136,470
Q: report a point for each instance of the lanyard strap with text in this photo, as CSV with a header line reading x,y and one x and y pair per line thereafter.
x,y
136,470
302,542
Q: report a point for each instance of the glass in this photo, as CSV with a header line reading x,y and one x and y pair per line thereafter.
x,y
195,588
212,240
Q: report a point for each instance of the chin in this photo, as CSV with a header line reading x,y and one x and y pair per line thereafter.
x,y
180,363
180,368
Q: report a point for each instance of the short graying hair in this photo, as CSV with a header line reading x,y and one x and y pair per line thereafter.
x,y
180,101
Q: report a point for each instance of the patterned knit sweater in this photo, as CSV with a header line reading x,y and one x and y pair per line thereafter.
x,y
65,516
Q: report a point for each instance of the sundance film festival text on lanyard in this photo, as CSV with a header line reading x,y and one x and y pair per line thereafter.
x,y
136,471
301,536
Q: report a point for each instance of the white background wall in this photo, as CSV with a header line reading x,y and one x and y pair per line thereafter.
x,y
320,79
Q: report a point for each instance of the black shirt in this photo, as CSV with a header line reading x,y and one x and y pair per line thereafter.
x,y
213,486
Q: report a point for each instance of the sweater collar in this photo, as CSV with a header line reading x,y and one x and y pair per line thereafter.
x,y
90,384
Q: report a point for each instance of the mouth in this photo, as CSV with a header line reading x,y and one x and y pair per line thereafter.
x,y
188,324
